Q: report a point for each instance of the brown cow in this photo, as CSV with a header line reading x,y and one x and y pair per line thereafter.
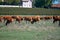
x,y
35,19
18,18
41,18
47,17
56,18
8,19
32,19
28,18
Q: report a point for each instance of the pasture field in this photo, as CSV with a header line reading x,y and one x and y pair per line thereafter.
x,y
28,11
42,30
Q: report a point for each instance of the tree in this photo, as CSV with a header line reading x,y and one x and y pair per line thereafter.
x,y
42,3
12,2
33,3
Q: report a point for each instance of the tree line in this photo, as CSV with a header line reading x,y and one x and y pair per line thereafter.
x,y
36,3
42,3
10,2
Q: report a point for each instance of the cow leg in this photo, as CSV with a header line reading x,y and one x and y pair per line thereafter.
x,y
7,22
0,20
59,23
54,21
26,21
18,20
32,22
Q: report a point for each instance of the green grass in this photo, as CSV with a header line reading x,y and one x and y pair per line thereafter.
x,y
29,11
13,34
44,30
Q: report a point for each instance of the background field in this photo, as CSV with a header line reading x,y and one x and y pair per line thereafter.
x,y
29,11
42,30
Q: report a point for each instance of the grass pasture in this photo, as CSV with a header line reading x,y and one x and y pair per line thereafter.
x,y
42,30
28,11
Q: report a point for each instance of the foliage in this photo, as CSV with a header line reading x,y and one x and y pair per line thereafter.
x,y
11,2
42,3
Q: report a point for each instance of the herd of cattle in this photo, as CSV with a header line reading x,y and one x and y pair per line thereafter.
x,y
31,19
